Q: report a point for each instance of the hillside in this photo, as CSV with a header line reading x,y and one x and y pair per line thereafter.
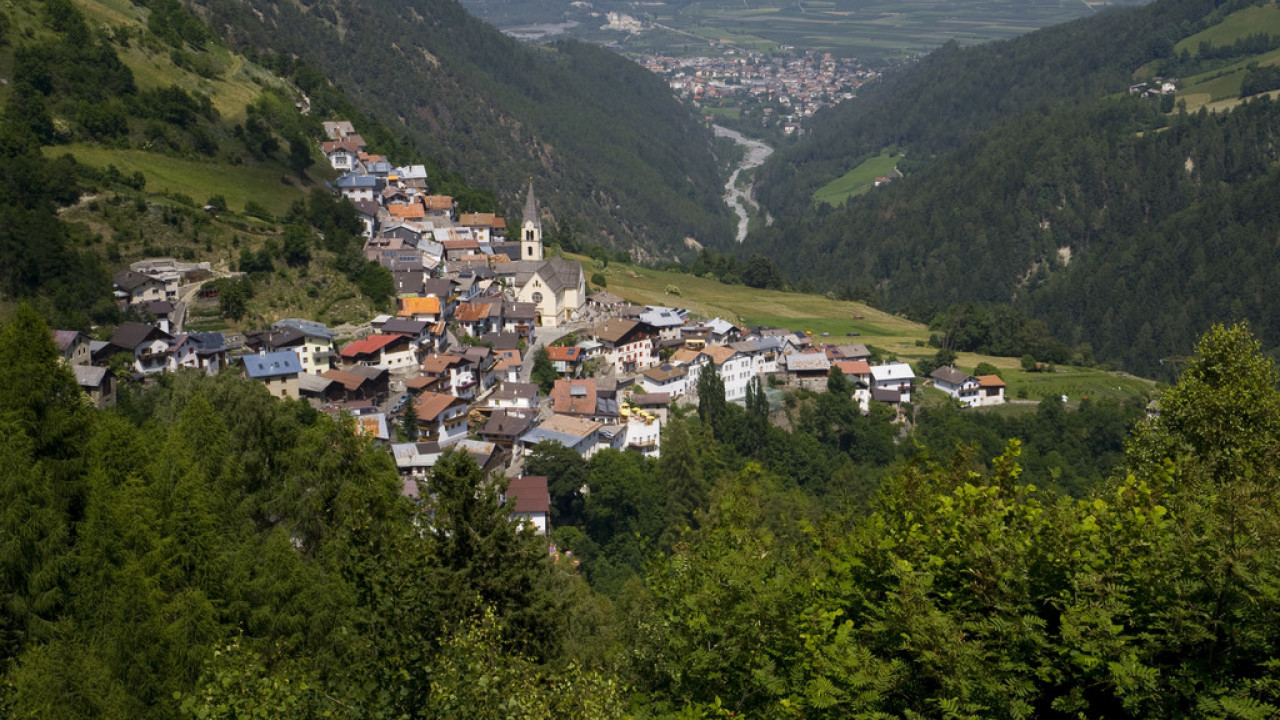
x,y
1125,224
610,149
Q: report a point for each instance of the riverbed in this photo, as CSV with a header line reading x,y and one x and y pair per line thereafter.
x,y
736,197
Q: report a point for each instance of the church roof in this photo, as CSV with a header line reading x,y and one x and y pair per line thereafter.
x,y
531,208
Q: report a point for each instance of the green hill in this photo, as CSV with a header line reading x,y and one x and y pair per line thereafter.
x,y
608,146
1125,225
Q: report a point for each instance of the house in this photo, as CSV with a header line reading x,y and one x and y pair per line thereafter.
x,y
643,431
656,404
858,373
663,323
441,418
515,396
97,382
892,378
418,331
317,350
530,502
604,300
578,434
277,370
990,390
421,308
520,318
205,351
581,398
959,385
149,345
135,288
508,365
567,360
319,389
626,344
670,379
73,346
809,370
359,187
505,426
413,461
394,352
452,373
476,319
348,386
734,368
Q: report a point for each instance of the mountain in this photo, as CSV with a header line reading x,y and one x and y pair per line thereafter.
x,y
1031,177
607,145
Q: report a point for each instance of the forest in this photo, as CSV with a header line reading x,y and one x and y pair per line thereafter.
x,y
1124,224
206,551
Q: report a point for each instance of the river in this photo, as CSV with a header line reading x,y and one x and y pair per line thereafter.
x,y
734,196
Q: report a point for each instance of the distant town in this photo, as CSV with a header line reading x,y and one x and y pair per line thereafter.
x,y
787,87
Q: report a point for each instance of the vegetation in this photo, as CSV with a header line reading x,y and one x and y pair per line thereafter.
x,y
1087,211
608,145
205,550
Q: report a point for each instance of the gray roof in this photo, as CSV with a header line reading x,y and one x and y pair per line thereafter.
x,y
89,376
272,364
129,280
309,384
661,317
129,335
808,362
516,391
531,208
949,375
310,327
405,326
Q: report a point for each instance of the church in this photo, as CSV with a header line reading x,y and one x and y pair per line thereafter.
x,y
557,287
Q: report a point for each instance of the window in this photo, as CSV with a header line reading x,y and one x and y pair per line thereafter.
x,y
537,297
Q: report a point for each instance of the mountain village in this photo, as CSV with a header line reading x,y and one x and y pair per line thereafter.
x,y
473,307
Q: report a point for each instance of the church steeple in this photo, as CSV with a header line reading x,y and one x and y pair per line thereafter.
x,y
531,228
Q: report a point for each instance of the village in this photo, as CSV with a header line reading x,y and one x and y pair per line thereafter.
x,y
456,366
795,86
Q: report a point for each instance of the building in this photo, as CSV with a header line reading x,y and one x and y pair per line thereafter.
x,y
990,390
277,370
441,418
892,378
530,502
626,345
531,229
959,385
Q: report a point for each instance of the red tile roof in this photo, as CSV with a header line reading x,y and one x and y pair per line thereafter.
x,y
564,354
368,345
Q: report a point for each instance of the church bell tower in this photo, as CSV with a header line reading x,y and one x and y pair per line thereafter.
x,y
531,229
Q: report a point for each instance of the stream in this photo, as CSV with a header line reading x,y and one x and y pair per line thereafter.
x,y
734,196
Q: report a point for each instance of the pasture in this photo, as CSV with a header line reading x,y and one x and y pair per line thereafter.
x,y
835,321
857,181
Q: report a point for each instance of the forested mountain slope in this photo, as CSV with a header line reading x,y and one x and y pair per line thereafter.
x,y
1124,223
607,144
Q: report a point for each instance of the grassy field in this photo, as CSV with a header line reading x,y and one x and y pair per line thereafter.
x,y
196,179
893,335
1249,21
1223,83
855,182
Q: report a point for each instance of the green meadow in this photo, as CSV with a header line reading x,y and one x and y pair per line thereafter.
x,y
835,321
857,181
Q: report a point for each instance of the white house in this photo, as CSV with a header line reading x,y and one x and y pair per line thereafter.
x,y
735,370
441,418
530,502
959,385
896,377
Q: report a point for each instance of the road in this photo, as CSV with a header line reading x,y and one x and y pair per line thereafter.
x,y
736,197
